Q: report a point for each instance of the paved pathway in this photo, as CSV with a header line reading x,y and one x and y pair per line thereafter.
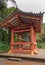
x,y
4,61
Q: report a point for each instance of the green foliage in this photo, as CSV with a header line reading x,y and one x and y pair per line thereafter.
x,y
4,34
41,45
3,8
4,40
3,47
4,11
38,38
10,10
0,34
41,38
15,38
2,4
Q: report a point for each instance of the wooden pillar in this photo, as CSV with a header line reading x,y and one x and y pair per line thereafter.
x,y
35,43
12,40
33,39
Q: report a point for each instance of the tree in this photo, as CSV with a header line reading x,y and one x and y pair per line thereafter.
x,y
10,10
2,4
3,8
4,35
13,1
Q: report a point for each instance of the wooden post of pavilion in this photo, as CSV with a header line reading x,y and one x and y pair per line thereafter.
x,y
33,40
35,43
12,41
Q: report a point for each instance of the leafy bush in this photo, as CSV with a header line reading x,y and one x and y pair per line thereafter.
x,y
4,47
41,45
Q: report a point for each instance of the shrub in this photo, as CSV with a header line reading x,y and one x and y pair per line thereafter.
x,y
3,47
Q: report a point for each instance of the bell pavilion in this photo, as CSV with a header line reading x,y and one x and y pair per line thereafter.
x,y
23,27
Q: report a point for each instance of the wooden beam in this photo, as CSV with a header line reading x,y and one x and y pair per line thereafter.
x,y
5,22
27,30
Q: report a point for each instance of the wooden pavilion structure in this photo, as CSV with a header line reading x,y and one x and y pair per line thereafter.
x,y
24,26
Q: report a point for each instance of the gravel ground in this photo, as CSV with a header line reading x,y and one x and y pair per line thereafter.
x,y
4,61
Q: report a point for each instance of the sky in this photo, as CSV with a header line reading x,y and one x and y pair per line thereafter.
x,y
30,6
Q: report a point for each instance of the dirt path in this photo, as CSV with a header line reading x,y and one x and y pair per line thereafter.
x,y
10,62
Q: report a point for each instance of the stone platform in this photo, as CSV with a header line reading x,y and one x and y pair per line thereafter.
x,y
40,55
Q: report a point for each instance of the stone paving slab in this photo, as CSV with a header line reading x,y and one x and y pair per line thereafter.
x,y
40,55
